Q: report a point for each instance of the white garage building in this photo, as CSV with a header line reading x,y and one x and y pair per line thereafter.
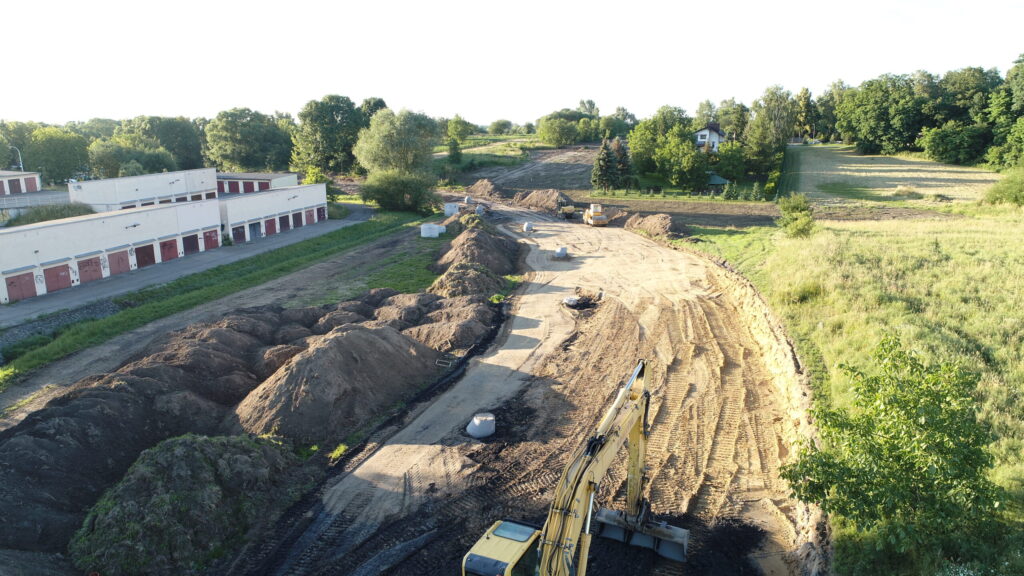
x,y
49,256
147,190
19,182
247,217
246,182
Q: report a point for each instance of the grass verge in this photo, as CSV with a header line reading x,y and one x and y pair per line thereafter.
x,y
158,302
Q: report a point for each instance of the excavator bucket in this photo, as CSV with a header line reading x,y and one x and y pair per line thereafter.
x,y
668,541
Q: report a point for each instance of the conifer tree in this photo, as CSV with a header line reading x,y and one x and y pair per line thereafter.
x,y
604,175
623,165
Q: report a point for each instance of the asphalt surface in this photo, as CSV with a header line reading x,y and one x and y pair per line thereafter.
x,y
71,298
41,198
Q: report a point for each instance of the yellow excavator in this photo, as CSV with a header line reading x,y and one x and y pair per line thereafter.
x,y
510,548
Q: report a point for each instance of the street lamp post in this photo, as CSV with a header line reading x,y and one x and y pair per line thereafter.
x,y
21,165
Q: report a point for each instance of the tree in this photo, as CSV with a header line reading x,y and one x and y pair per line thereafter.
x,y
398,190
315,176
882,115
956,143
327,131
705,114
625,175
557,132
612,127
797,218
1011,152
131,168
1015,83
588,130
964,94
369,107
499,127
680,161
402,142
108,157
57,153
733,117
769,129
589,109
95,128
731,163
806,120
454,152
911,462
825,110
459,129
603,176
643,142
178,136
241,139
19,135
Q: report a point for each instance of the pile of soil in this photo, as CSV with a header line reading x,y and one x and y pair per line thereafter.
x,y
57,462
654,225
339,384
484,188
475,261
186,501
542,199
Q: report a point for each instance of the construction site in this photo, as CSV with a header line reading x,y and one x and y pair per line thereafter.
x,y
277,438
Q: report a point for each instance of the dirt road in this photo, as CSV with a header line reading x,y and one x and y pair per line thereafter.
x,y
728,404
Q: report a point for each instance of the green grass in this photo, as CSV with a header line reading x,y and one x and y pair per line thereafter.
x,y
408,272
949,288
190,291
852,192
47,213
337,211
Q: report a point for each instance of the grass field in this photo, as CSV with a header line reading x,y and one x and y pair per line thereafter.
x,y
950,288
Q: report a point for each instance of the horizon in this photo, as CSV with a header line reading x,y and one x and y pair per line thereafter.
x,y
448,61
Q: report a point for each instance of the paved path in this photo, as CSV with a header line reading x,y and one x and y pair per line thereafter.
x,y
25,310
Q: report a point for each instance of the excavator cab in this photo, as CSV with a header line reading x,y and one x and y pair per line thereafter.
x,y
507,549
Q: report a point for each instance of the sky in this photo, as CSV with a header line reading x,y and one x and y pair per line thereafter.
x,y
74,60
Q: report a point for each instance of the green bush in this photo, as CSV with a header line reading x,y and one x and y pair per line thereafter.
x,y
1009,190
401,191
797,218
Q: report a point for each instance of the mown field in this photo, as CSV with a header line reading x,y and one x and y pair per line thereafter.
x,y
944,274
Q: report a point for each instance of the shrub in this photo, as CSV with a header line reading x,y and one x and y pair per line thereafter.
x,y
46,213
1009,190
401,191
797,218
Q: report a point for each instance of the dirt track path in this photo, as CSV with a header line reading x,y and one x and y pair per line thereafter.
x,y
728,403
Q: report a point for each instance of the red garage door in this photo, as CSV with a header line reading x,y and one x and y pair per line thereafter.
x,y
233,187
89,270
238,234
297,220
264,185
210,239
190,244
248,186
30,184
20,287
15,186
220,186
168,250
119,263
285,223
145,256
310,219
211,195
321,214
57,278
270,226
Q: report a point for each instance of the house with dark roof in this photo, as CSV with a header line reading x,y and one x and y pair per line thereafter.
x,y
710,137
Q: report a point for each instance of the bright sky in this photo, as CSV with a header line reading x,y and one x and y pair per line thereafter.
x,y
485,60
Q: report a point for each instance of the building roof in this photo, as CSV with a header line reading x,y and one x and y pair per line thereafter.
x,y
96,216
716,180
12,174
251,175
712,127
267,192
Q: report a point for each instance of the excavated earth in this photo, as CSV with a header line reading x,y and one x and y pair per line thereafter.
x,y
729,402
315,374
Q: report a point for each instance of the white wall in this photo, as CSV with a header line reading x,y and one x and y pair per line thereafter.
x,y
241,209
39,246
113,193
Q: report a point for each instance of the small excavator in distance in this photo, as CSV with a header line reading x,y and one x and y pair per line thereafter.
x,y
510,548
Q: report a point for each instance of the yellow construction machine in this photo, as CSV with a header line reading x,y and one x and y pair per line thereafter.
x,y
511,548
594,216
566,209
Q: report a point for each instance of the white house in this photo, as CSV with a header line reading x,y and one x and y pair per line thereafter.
x,y
252,216
49,256
146,190
711,136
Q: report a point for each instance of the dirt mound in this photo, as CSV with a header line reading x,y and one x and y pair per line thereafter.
x,y
185,502
455,326
338,385
56,462
542,199
465,279
484,188
480,247
654,225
